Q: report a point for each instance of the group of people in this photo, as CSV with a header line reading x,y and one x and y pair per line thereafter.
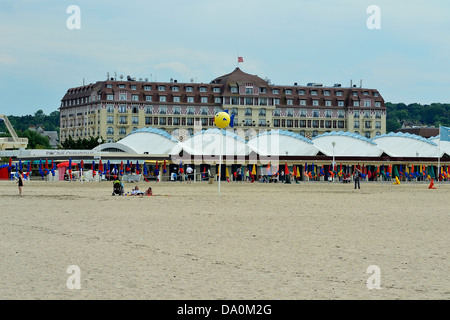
x,y
118,189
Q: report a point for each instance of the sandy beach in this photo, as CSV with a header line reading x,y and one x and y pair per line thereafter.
x,y
255,241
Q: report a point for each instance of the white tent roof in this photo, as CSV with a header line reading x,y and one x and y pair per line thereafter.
x,y
281,142
151,140
346,145
406,145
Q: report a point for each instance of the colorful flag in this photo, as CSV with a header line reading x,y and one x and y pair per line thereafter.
x,y
240,59
444,133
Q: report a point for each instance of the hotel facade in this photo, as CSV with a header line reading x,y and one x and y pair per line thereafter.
x,y
114,108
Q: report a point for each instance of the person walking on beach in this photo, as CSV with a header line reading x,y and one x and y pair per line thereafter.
x,y
189,172
20,182
357,177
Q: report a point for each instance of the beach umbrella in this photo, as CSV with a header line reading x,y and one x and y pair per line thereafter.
x,y
121,168
286,168
127,167
53,168
432,175
81,164
108,167
395,172
164,167
145,169
46,164
100,167
138,169
115,169
227,174
268,169
254,170
294,171
156,168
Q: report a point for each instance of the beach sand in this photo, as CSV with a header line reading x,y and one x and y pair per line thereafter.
x,y
255,241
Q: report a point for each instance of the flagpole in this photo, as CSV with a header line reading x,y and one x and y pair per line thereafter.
x,y
220,158
439,155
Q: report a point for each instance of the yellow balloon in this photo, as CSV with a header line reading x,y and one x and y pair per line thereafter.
x,y
222,119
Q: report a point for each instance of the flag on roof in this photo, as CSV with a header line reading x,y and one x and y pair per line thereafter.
x,y
444,133
240,59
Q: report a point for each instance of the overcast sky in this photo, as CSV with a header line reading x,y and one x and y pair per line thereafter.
x,y
328,41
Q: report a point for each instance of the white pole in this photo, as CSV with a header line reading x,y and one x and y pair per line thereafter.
x,y
439,156
220,158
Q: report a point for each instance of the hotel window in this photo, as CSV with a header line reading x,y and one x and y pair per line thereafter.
x,y
189,89
366,93
190,121
290,112
176,99
262,112
122,109
356,124
175,88
263,101
248,101
248,112
161,88
122,131
122,86
176,110
248,90
276,123
123,120
234,111
326,93
147,88
275,91
341,114
289,123
327,103
276,112
234,89
162,98
378,133
356,103
367,134
134,120
204,111
315,102
234,100
377,104
315,113
135,97
262,122
315,123
341,125
356,114
216,90
109,97
327,113
340,103
190,110
302,123
262,90
377,124
355,93
288,91
367,103
148,98
202,89
314,92
204,99
122,96
378,114
314,134
217,100
368,124
303,102
367,114
376,94
327,124
148,109
110,131
176,121
301,92
190,99
148,121
339,93
204,121
303,113
109,119
289,102
109,86
276,101
162,121
110,108
162,109
133,87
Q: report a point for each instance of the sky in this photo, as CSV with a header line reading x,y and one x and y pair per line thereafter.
x,y
401,48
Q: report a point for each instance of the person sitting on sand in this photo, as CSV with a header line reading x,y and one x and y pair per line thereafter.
x,y
148,192
137,192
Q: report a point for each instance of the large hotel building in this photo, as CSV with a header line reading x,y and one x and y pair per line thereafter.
x,y
114,108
